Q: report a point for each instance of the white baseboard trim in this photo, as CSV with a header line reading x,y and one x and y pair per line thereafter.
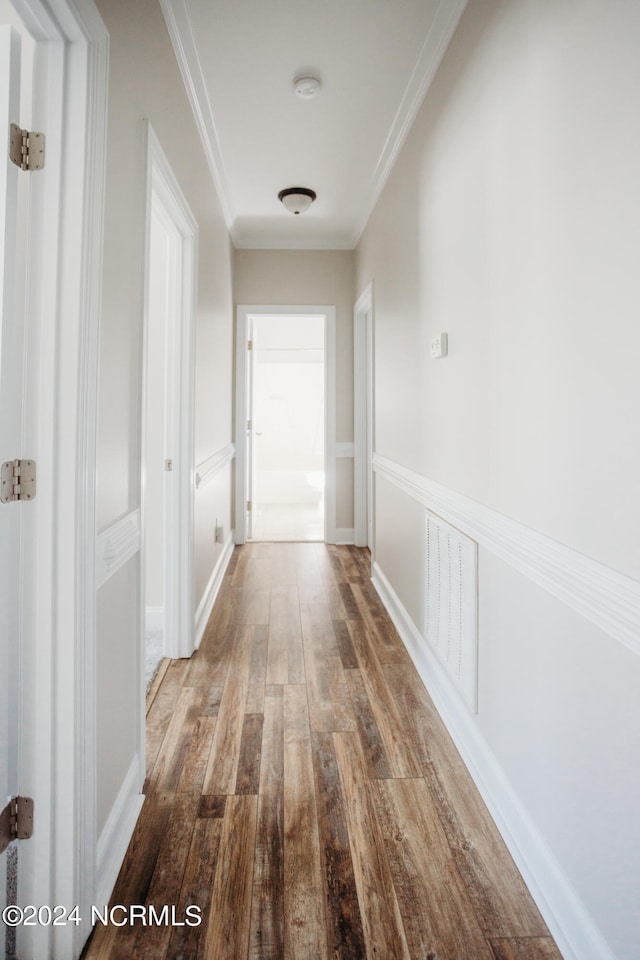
x,y
564,913
345,536
154,619
211,592
117,832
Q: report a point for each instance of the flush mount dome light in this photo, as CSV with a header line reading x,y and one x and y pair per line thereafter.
x,y
297,199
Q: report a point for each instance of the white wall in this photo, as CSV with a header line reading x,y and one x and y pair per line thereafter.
x,y
512,221
145,84
308,277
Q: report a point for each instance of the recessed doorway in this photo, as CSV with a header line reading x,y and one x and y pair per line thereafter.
x,y
287,434
285,423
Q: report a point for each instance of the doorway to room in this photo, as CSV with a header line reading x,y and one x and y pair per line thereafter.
x,y
287,434
285,423
167,419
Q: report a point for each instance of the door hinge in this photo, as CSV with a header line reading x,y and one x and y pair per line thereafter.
x,y
18,480
26,148
250,345
248,504
16,821
249,424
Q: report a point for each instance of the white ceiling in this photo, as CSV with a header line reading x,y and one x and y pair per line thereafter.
x,y
375,58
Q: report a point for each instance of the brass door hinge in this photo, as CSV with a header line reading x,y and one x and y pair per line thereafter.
x,y
26,148
16,821
17,480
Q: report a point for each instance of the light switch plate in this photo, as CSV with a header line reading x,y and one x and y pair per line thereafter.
x,y
439,346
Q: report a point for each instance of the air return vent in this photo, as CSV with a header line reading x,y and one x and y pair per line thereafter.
x,y
451,604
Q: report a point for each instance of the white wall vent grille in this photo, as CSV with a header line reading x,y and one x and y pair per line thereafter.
x,y
451,604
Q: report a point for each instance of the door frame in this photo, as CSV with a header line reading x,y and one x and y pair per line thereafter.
x,y
364,420
165,197
58,693
243,313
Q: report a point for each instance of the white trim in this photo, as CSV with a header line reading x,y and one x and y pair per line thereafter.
x,y
117,832
607,598
209,467
344,450
569,922
115,545
181,31
363,418
154,619
211,590
243,314
433,49
166,199
178,22
59,735
344,536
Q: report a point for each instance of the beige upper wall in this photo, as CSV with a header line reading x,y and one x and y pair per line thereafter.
x,y
145,84
512,221
307,277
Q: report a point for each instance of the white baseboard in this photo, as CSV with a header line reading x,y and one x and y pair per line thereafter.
x,y
211,592
117,832
345,536
564,913
154,619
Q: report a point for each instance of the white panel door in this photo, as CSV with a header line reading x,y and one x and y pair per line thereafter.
x,y
11,353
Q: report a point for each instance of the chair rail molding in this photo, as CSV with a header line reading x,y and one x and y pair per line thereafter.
x,y
116,544
607,598
210,466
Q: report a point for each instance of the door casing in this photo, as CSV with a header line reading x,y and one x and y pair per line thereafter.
x,y
166,200
364,426
57,688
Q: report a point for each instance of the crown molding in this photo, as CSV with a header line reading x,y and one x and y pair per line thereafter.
x,y
180,30
433,49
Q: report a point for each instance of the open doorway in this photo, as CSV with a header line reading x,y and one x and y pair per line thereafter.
x,y
157,444
286,385
167,421
287,433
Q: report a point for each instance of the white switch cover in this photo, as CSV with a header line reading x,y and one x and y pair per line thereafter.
x,y
439,346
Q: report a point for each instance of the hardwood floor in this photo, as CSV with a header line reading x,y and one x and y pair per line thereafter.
x,y
304,794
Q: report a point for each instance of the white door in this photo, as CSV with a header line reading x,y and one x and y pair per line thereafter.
x,y
11,352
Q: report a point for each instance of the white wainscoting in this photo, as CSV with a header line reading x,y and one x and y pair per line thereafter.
x,y
211,591
208,468
116,544
609,599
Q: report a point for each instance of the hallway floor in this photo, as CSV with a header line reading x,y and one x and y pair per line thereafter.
x,y
304,794
292,522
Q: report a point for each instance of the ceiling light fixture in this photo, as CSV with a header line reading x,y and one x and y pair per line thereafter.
x,y
306,86
297,199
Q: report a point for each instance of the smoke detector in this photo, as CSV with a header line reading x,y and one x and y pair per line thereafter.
x,y
306,86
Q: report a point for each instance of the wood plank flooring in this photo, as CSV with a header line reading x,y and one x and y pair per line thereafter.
x,y
303,792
